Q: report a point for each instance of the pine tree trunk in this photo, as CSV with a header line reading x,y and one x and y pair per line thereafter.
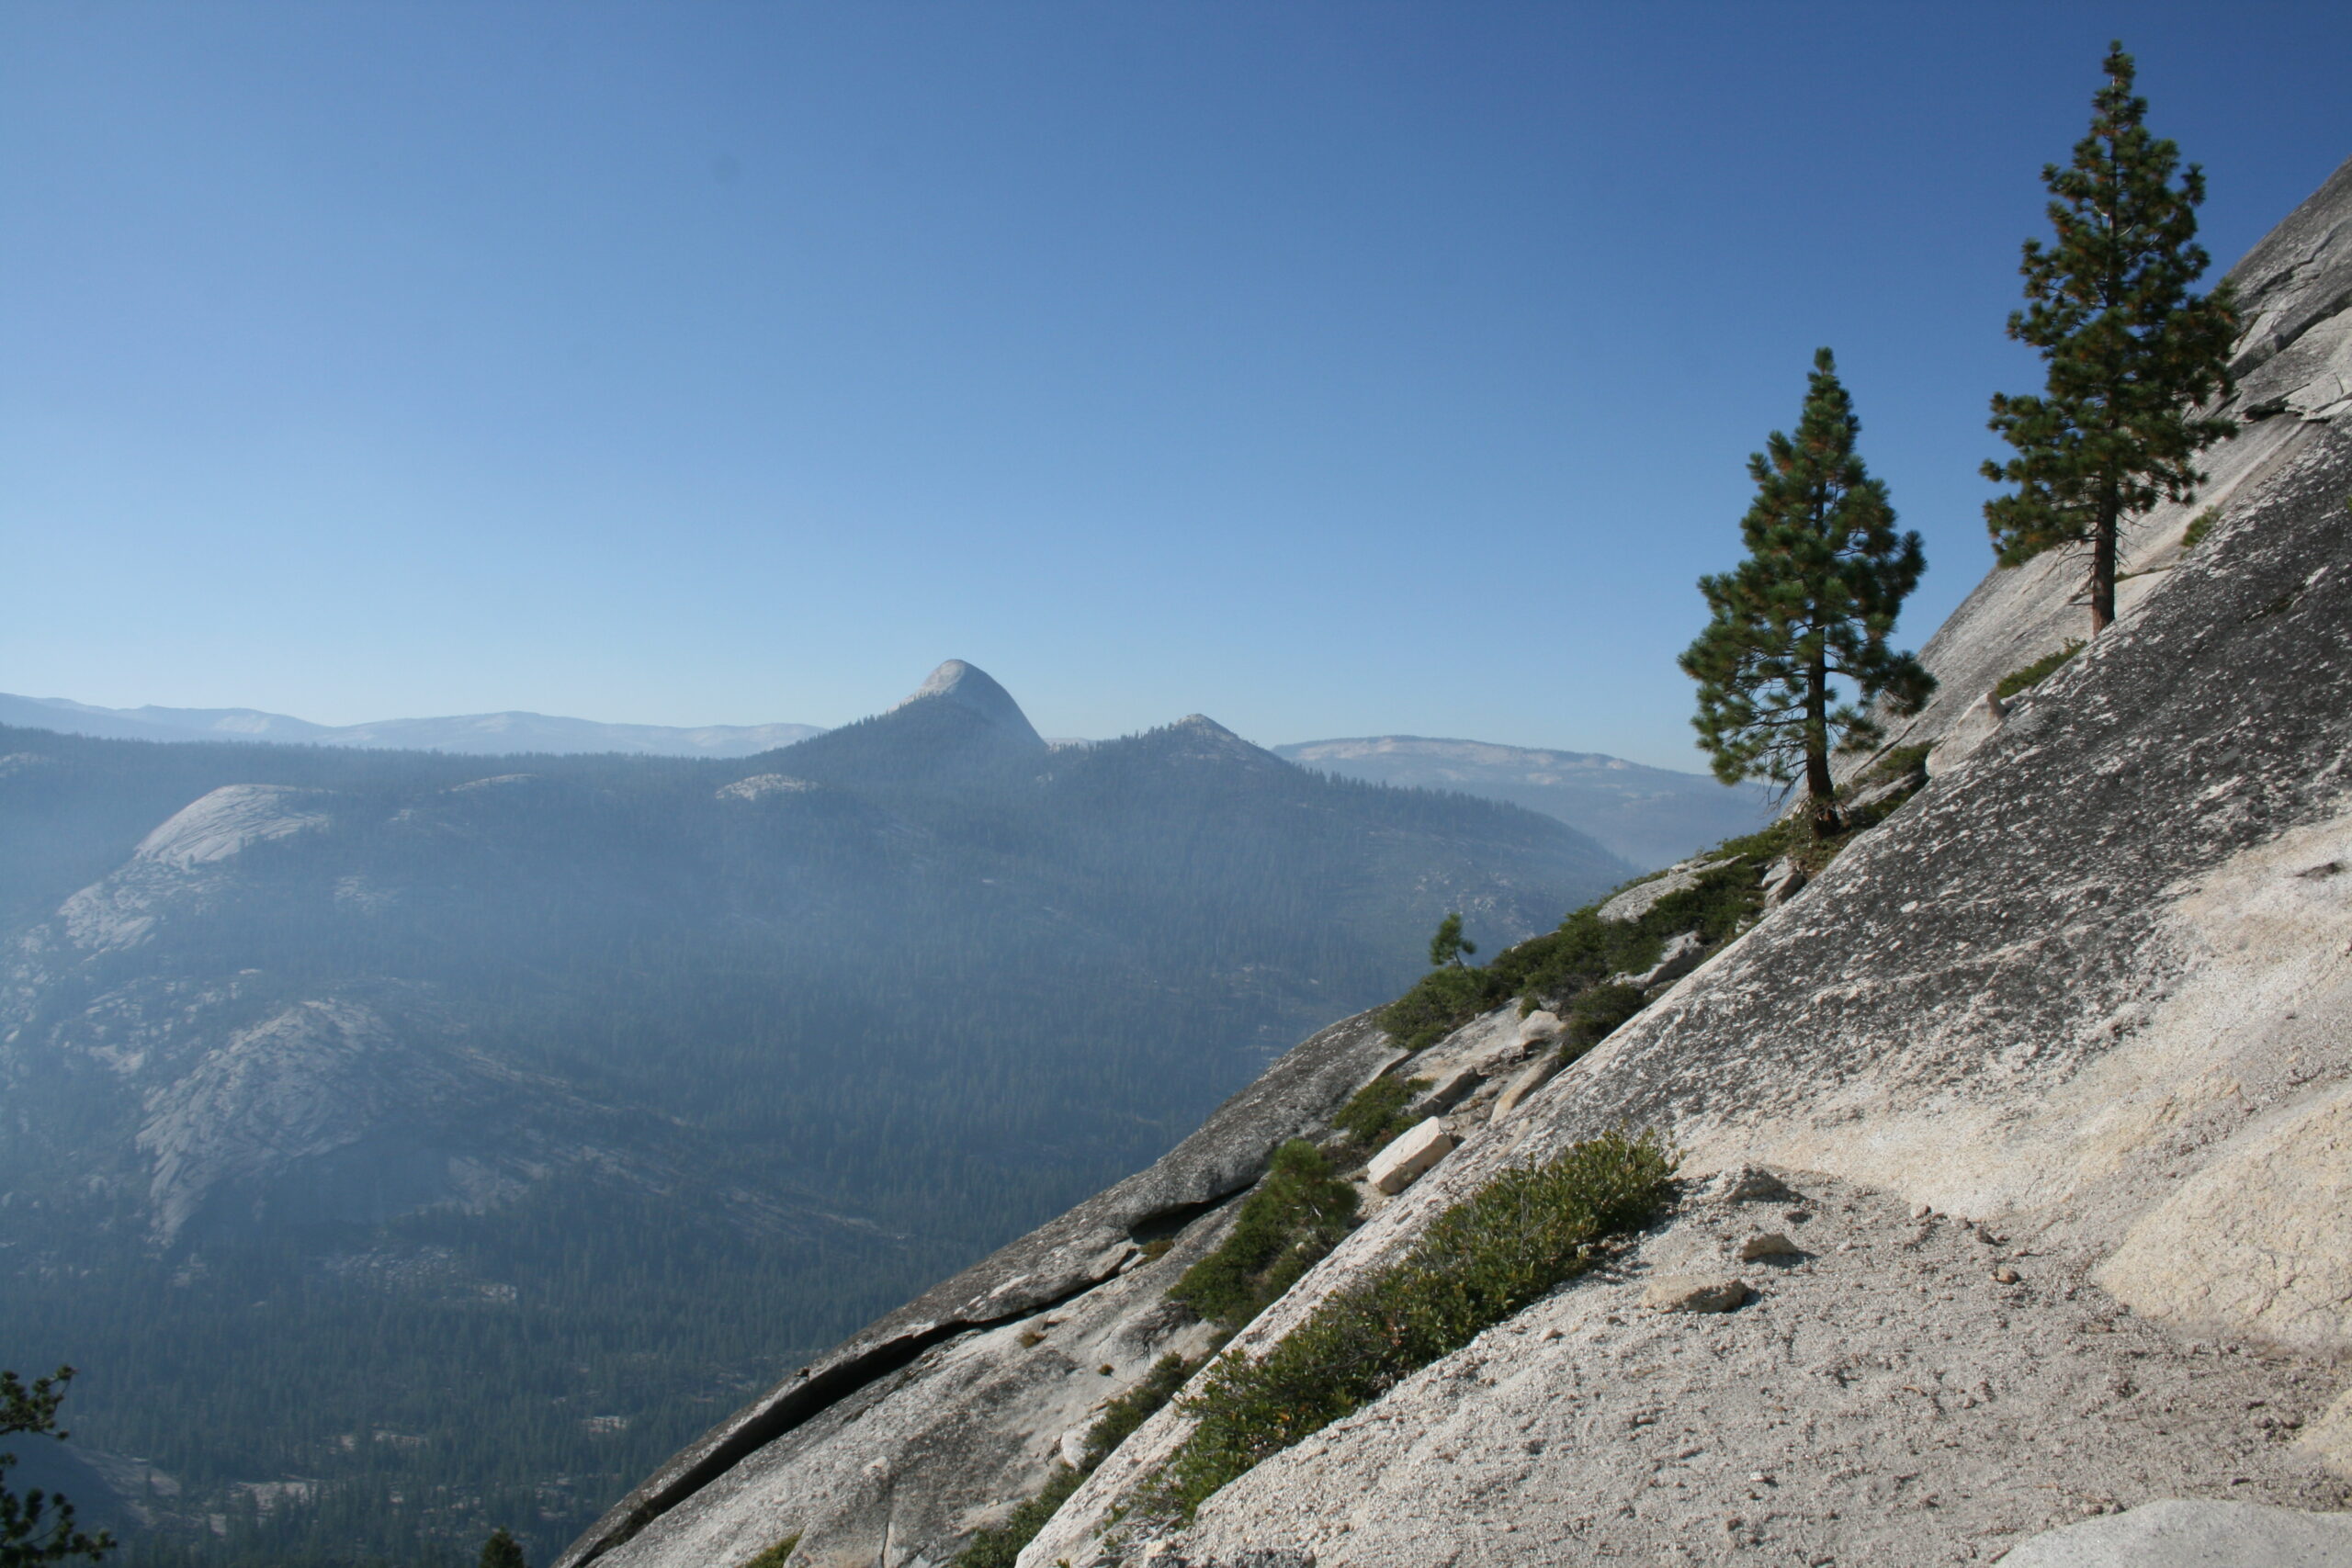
x,y
2103,564
1820,790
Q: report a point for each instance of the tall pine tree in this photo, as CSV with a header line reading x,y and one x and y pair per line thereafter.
x,y
1811,606
2130,349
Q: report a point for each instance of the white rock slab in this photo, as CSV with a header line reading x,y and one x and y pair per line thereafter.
x,y
1399,1164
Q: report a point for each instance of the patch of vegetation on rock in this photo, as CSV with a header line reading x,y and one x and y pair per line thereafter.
x,y
1529,1231
1295,1218
2033,674
1000,1547
775,1556
1376,1114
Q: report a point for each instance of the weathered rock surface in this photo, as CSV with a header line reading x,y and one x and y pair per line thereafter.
x,y
1880,1402
1637,900
2181,1533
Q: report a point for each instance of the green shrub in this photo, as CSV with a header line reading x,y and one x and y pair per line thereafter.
x,y
1477,1264
1001,1546
1595,1014
1132,1409
2198,527
1376,1114
774,1555
1296,1216
2033,674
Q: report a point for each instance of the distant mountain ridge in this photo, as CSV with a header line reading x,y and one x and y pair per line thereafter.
x,y
1648,817
1651,817
479,733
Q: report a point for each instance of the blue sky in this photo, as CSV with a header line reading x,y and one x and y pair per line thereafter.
x,y
1332,369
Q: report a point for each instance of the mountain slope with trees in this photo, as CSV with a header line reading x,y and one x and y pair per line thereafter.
x,y
416,1098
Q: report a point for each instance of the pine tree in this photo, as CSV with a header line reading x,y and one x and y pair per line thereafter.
x,y
502,1551
1448,946
2130,349
1812,605
37,1527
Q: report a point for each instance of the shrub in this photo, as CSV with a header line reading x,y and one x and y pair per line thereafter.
x,y
1133,1409
2033,674
1595,1015
1299,1214
1478,1263
1001,1546
773,1556
2198,527
1376,1114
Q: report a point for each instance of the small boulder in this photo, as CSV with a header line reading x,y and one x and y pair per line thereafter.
x,y
1402,1162
1694,1293
1768,1244
1783,880
1681,955
1538,1027
1751,1184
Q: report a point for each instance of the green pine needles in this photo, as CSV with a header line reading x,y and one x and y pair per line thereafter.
x,y
1478,1263
37,1527
1297,1215
1813,606
2130,350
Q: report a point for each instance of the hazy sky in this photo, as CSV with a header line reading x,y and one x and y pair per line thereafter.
x,y
1332,369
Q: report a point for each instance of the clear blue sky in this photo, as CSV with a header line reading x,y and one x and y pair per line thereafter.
x,y
1329,368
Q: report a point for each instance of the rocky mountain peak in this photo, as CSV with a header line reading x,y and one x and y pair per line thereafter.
x,y
971,687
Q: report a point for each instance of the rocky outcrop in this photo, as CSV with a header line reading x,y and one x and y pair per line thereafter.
x,y
971,688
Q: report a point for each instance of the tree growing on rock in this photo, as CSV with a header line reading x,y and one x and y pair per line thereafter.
x,y
502,1551
2130,350
1806,616
37,1527
1448,944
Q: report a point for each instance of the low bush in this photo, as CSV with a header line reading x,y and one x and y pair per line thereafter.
x,y
1376,1114
1133,1409
1595,1014
1001,1546
2198,527
774,1555
1296,1216
2033,674
1477,1264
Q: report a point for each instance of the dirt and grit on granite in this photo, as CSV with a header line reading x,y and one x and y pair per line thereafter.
x,y
1897,1388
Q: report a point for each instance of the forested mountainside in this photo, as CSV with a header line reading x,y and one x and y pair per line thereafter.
x,y
1971,1186
402,1141
1649,815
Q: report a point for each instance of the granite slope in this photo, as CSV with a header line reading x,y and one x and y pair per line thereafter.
x,y
2087,993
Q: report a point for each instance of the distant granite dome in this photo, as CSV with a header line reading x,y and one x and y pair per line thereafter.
x,y
969,686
